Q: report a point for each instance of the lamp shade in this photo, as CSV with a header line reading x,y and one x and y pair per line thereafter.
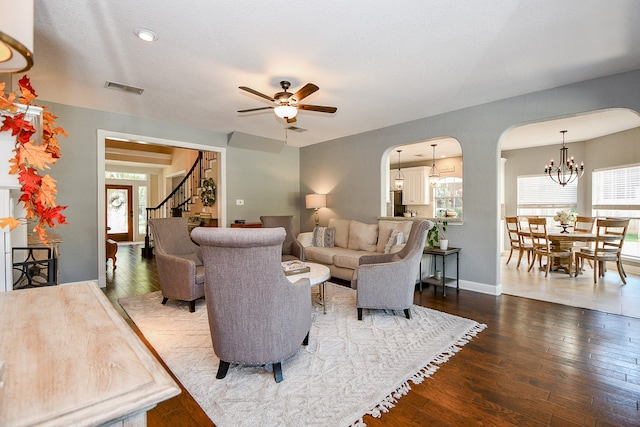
x,y
315,201
286,111
16,36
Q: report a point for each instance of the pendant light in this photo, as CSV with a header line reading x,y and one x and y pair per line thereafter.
x,y
567,170
434,175
398,183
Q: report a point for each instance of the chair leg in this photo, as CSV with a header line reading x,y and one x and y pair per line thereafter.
x,y
222,369
509,259
359,313
306,340
277,371
520,253
621,271
192,306
164,300
533,262
549,262
407,313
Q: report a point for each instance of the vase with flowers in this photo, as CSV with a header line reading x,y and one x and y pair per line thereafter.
x,y
565,217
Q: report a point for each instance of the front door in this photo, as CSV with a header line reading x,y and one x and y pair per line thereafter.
x,y
119,212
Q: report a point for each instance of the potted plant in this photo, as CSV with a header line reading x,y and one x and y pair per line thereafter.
x,y
436,235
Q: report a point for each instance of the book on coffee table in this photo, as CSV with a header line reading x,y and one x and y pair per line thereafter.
x,y
294,267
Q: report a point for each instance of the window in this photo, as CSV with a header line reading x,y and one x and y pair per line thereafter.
x,y
447,197
129,176
616,193
539,195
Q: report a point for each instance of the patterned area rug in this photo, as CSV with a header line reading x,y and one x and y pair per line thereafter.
x,y
350,368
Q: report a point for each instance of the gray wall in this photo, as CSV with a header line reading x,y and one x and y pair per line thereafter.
x,y
349,168
268,182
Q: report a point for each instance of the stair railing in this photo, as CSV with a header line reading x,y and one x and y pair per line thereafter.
x,y
182,197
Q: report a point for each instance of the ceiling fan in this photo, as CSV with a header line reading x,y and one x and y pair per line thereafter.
x,y
287,103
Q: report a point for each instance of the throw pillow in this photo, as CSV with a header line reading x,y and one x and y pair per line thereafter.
x,y
395,238
323,237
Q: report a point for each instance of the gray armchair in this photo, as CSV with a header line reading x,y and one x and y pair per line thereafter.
x,y
256,316
180,268
291,248
387,281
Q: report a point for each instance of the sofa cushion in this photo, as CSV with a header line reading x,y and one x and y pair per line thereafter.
x,y
322,255
342,231
350,258
363,237
323,237
384,231
395,238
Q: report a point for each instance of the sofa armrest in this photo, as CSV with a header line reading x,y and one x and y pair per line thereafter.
x,y
376,259
305,239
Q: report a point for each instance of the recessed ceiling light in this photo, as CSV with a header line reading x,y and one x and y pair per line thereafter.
x,y
146,34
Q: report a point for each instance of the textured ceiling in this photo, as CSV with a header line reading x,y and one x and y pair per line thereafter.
x,y
379,62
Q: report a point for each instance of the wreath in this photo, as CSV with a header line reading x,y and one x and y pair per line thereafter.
x,y
208,193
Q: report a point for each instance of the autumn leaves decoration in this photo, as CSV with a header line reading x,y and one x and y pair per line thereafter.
x,y
31,159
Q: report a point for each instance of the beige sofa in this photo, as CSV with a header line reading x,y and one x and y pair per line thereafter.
x,y
352,240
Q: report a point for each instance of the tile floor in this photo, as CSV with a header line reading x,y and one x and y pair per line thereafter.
x,y
610,295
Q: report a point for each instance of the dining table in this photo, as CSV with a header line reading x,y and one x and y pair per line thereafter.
x,y
563,241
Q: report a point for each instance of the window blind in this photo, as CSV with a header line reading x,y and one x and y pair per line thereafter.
x,y
616,188
539,191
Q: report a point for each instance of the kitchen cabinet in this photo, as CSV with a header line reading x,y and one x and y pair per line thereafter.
x,y
416,186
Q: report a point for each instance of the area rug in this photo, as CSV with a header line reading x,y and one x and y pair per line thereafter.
x,y
350,368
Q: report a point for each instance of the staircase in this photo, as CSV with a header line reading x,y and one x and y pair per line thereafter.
x,y
182,198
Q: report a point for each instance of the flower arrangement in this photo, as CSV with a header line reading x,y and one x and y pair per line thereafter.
x,y
38,192
565,217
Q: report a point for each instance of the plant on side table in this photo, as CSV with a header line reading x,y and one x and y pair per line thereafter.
x,y
436,235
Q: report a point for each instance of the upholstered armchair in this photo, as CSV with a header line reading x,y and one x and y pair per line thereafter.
x,y
291,248
388,281
180,268
256,316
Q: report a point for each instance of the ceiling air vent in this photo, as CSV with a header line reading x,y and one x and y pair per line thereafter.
x,y
123,88
296,129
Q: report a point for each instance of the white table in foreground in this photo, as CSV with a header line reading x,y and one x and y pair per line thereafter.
x,y
71,360
318,275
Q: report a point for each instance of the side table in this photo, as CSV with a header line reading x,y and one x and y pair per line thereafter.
x,y
444,280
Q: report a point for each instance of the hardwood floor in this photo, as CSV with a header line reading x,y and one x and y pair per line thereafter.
x,y
536,364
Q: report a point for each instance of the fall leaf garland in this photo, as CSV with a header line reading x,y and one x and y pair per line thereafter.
x,y
38,192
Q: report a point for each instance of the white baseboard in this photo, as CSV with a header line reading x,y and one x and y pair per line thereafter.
x,y
482,288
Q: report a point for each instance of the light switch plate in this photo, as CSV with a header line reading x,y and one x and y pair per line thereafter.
x,y
239,202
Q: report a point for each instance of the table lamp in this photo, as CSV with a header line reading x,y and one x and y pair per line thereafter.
x,y
316,201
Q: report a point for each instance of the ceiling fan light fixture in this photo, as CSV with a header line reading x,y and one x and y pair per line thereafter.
x,y
286,111
16,37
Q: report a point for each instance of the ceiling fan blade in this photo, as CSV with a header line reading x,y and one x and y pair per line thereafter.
x,y
319,108
306,90
291,120
255,92
255,109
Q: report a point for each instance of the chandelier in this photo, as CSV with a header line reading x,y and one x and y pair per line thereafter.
x,y
434,175
567,169
398,183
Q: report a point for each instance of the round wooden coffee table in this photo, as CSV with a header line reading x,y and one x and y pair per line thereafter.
x,y
318,276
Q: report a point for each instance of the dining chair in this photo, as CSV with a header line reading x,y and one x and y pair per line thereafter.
x,y
517,240
542,246
583,224
610,234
